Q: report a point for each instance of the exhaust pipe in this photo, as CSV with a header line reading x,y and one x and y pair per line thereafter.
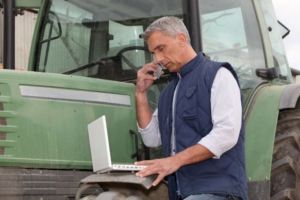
x,y
9,34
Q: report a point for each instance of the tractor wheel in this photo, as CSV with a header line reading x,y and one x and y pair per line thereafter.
x,y
285,175
90,197
112,195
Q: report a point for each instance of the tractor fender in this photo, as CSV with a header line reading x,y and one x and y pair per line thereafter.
x,y
261,115
290,96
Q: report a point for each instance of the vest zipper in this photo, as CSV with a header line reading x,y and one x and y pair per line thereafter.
x,y
173,137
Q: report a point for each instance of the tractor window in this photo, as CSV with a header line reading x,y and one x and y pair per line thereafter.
x,y
230,34
66,40
279,55
99,39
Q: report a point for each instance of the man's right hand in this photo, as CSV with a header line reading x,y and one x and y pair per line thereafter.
x,y
144,79
143,82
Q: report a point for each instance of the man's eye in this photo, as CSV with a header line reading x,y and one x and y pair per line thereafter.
x,y
160,48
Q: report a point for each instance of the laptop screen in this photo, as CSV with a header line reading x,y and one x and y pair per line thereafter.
x,y
99,144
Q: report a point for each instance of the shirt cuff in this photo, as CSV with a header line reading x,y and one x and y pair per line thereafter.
x,y
210,143
149,128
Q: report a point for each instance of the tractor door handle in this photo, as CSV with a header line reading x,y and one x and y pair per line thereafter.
x,y
137,150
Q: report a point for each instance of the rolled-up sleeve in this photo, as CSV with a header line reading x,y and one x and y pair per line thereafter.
x,y
150,134
226,111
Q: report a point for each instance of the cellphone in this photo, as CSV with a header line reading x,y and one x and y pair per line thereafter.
x,y
157,73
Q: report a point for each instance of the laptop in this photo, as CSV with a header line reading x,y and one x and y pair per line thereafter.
x,y
100,150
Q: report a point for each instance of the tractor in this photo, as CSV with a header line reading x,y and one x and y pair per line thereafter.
x,y
83,63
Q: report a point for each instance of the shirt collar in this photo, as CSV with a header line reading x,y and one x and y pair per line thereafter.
x,y
190,66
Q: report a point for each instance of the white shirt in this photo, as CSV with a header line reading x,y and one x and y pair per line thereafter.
x,y
226,113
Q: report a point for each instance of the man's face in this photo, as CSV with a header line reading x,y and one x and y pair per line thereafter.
x,y
167,50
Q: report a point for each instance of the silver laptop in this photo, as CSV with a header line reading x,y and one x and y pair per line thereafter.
x,y
100,150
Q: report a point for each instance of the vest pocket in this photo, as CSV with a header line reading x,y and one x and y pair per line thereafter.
x,y
190,103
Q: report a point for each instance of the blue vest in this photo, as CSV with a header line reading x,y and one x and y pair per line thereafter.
x,y
192,122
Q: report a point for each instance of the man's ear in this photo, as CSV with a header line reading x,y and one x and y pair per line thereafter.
x,y
182,39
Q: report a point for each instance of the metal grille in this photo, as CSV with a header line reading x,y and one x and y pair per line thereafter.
x,y
3,121
2,137
2,134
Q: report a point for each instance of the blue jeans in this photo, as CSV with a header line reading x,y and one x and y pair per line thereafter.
x,y
206,197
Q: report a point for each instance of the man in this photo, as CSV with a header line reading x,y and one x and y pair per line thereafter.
x,y
198,120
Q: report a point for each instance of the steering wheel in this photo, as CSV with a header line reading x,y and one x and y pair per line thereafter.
x,y
126,60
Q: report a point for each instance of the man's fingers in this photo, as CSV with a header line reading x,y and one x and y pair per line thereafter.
x,y
145,76
158,180
146,172
158,166
148,67
144,162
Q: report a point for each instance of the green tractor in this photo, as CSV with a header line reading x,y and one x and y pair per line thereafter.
x,y
83,62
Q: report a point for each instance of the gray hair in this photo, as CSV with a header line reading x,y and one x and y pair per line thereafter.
x,y
169,25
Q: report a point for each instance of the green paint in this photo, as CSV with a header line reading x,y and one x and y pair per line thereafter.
x,y
260,132
28,3
53,133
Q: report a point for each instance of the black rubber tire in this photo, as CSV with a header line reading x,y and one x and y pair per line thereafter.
x,y
285,175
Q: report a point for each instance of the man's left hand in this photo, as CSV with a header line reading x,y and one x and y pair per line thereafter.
x,y
162,167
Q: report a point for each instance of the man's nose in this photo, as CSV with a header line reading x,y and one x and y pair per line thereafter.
x,y
158,58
